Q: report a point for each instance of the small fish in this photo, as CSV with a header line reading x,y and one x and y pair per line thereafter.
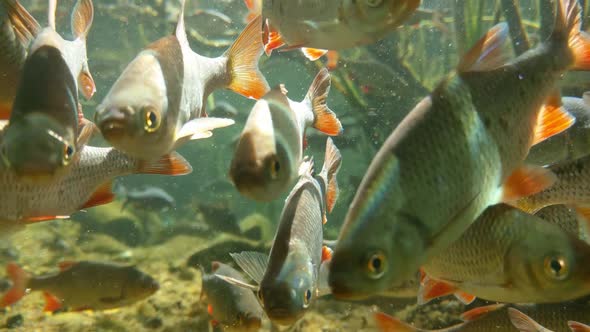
x,y
508,255
158,102
460,150
150,198
571,144
571,187
233,307
317,26
87,184
270,148
84,285
17,30
289,278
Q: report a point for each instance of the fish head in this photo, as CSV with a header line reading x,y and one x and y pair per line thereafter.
x,y
133,115
37,147
287,296
377,17
138,285
262,166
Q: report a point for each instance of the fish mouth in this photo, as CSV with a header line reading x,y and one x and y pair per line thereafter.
x,y
113,128
282,316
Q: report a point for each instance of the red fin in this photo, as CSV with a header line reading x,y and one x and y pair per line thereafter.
x,y
243,56
33,220
324,119
326,253
102,195
477,313
313,53
52,303
465,298
5,110
386,323
431,289
570,18
210,310
333,57
86,84
577,326
490,52
526,181
64,265
170,164
552,120
523,322
19,278
271,39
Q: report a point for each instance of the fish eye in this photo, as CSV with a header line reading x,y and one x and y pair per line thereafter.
x,y
275,168
68,153
556,267
376,265
374,3
152,119
307,298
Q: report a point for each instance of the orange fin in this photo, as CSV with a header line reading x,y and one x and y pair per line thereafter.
x,y
465,298
313,53
33,220
477,313
65,265
102,195
5,110
490,52
577,326
20,279
326,253
52,303
86,84
271,38
570,18
583,221
254,9
386,323
332,162
210,310
170,164
431,289
523,322
333,57
324,119
527,180
243,56
82,17
552,120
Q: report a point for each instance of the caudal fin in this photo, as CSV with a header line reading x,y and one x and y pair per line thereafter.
x,y
19,278
332,162
325,119
243,56
170,164
568,21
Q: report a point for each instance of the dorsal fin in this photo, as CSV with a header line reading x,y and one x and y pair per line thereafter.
x,y
490,52
180,32
51,13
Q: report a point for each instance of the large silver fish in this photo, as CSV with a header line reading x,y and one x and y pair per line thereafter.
x,y
270,148
158,102
460,150
289,278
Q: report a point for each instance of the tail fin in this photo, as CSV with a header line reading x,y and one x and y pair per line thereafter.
x,y
568,21
24,24
20,279
324,119
82,18
243,56
170,164
332,162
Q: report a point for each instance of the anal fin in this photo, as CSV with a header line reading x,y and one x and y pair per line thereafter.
x,y
552,119
525,181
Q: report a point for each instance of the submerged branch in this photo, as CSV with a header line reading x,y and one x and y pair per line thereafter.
x,y
517,32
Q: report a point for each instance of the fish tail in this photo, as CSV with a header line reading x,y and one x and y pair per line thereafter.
x,y
24,24
20,279
325,119
243,55
568,22
332,162
82,17
170,164
523,322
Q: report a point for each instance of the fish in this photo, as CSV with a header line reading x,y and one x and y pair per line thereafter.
x,y
571,144
460,150
289,277
570,187
318,26
498,317
83,285
508,255
87,184
232,307
17,29
150,199
270,147
158,102
574,220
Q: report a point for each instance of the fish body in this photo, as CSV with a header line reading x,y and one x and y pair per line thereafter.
x,y
449,159
508,255
233,307
88,183
83,285
270,148
289,278
158,102
571,144
150,198
573,220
